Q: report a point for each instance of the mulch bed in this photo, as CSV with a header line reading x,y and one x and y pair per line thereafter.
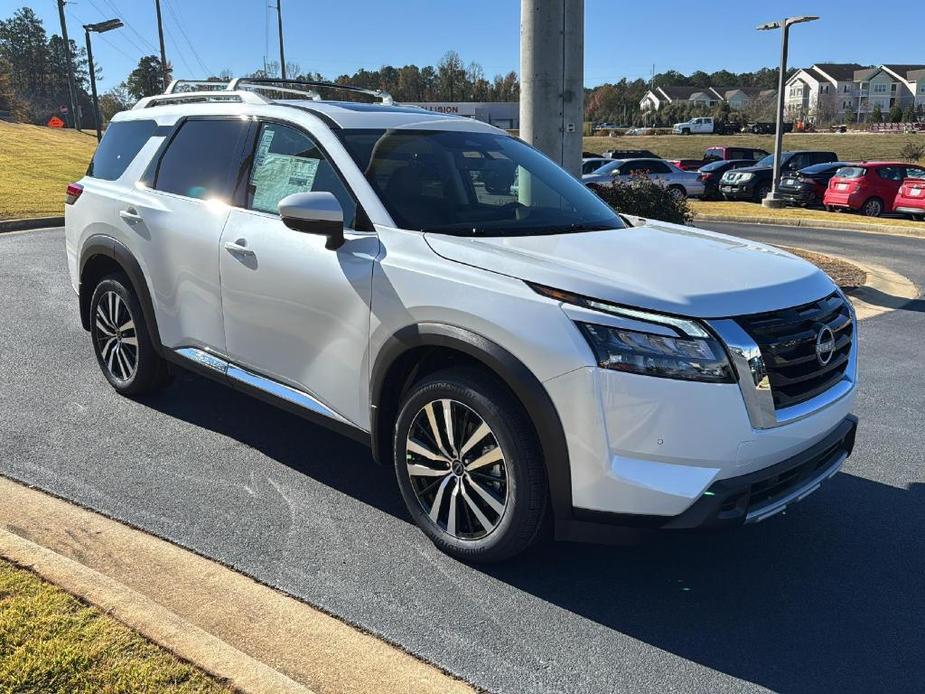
x,y
846,275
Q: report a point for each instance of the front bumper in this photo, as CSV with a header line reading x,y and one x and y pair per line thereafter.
x,y
737,191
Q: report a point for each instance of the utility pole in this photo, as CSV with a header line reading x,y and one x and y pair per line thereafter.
x,y
75,120
552,78
282,53
160,36
99,28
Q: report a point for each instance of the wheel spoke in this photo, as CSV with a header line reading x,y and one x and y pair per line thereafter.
x,y
487,496
103,329
477,436
128,325
112,354
107,346
421,450
448,422
101,312
451,518
483,520
490,458
133,341
438,499
435,430
124,363
424,471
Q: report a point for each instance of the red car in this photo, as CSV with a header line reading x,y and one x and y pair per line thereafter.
x,y
869,187
911,197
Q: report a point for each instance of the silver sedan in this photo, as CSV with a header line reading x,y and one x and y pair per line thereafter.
x,y
684,183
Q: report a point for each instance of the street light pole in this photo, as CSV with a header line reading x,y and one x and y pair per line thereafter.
x,y
773,199
99,28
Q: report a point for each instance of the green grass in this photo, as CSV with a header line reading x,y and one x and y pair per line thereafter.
x,y
750,209
849,146
36,164
52,642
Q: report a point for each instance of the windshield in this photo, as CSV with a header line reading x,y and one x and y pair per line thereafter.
x,y
481,184
769,160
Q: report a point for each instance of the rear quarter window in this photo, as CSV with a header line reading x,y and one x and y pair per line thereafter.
x,y
203,158
120,145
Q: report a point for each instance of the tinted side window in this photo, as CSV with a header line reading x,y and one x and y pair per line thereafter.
x,y
891,173
288,161
202,158
121,143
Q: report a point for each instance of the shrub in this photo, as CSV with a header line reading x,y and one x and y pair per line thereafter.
x,y
912,151
643,197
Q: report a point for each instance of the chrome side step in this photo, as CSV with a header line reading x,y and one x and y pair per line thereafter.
x,y
267,385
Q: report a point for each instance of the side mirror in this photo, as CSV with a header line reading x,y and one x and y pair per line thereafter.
x,y
314,213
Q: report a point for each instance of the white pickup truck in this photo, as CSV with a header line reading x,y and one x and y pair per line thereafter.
x,y
702,125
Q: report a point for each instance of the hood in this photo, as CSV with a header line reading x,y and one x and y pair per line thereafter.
x,y
656,266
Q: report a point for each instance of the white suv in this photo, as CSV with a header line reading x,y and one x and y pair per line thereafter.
x,y
527,359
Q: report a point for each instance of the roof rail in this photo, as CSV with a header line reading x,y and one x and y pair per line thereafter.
x,y
198,85
273,84
200,97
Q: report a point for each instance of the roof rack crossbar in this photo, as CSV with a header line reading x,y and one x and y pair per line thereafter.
x,y
270,83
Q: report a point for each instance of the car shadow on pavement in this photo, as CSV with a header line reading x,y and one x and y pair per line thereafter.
x,y
829,597
288,439
879,298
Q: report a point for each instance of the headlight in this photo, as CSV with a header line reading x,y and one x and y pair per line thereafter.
x,y
689,359
746,176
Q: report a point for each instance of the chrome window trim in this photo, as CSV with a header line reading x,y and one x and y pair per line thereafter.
x,y
749,366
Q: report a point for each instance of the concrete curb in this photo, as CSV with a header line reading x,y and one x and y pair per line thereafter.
x,y
27,224
145,616
883,291
251,635
870,228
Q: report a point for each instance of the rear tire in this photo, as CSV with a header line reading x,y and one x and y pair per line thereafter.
x,y
872,207
677,192
121,339
477,488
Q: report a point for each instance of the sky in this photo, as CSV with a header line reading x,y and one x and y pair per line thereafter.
x,y
623,38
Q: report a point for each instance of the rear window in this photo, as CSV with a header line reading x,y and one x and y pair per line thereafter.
x,y
202,158
915,173
851,172
120,145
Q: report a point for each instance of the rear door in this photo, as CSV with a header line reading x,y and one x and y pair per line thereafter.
x,y
180,218
295,311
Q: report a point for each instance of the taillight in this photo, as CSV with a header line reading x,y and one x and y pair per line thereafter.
x,y
73,192
705,176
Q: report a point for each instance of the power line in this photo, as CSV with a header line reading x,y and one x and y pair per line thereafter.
x,y
188,42
131,28
141,51
102,36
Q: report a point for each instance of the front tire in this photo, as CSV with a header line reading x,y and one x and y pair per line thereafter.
x,y
761,192
469,466
121,339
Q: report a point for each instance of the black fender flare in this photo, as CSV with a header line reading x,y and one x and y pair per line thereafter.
x,y
522,382
101,244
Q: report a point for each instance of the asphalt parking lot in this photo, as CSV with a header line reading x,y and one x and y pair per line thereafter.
x,y
828,597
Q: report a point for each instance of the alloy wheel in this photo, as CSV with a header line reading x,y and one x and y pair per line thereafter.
x,y
457,469
873,207
115,335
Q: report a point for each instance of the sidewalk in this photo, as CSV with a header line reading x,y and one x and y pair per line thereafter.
x,y
227,624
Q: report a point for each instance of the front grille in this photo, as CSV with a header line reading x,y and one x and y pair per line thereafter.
x,y
787,340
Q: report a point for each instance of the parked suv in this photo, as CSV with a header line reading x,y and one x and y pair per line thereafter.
x,y
446,294
754,182
869,187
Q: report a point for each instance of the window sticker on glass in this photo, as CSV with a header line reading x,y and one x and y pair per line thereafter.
x,y
266,139
278,175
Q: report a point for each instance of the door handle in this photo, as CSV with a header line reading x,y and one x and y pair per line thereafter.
x,y
239,247
130,215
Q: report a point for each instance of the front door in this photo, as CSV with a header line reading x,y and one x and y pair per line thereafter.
x,y
294,311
